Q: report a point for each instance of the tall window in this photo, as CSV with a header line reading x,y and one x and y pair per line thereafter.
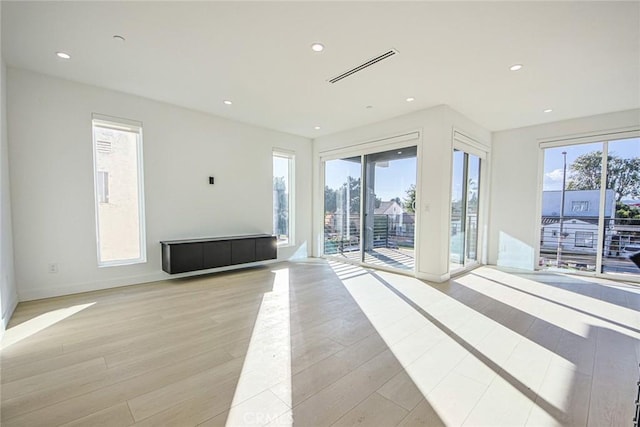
x,y
465,196
591,205
119,200
283,197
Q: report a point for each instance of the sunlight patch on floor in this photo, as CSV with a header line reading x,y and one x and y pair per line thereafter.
x,y
460,356
263,394
31,327
572,311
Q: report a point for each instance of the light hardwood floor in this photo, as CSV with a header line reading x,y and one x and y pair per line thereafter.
x,y
316,344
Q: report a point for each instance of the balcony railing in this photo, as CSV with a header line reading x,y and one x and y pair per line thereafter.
x,y
579,243
342,232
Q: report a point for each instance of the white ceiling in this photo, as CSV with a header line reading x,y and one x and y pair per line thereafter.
x,y
580,58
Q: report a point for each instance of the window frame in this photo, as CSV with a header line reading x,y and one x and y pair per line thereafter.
x,y
120,124
604,137
290,157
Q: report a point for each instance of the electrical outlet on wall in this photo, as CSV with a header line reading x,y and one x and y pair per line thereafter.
x,y
53,267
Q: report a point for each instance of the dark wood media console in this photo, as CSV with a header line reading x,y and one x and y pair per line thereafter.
x,y
181,256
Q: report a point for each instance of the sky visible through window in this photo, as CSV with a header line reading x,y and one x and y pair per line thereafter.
x,y
553,159
281,168
399,174
457,176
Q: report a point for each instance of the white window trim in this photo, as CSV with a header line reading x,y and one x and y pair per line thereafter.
x,y
470,145
604,137
291,157
371,146
117,123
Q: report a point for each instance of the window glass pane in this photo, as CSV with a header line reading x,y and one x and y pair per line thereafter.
x,y
456,252
342,207
282,199
571,205
118,195
465,201
389,208
473,197
622,226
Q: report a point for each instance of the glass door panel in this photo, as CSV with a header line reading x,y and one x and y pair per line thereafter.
x,y
622,216
342,195
571,206
456,250
389,208
465,196
473,194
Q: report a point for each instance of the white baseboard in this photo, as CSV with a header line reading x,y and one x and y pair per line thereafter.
x,y
78,288
433,277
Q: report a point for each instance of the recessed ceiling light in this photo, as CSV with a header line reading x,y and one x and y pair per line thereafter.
x,y
317,47
515,67
316,127
227,102
399,152
410,99
118,38
63,55
548,110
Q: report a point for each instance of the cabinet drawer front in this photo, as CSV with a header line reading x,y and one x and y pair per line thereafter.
x,y
243,251
266,248
186,257
216,254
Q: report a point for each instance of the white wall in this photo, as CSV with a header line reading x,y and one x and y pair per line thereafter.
x,y
433,197
50,151
516,183
8,295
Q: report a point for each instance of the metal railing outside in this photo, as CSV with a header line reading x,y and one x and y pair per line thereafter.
x,y
578,244
342,232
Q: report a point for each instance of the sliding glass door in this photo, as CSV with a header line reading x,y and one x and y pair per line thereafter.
x,y
342,195
571,211
622,233
369,208
591,207
389,209
465,196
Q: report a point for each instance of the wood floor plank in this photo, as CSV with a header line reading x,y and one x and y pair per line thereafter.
x,y
345,348
375,410
155,401
422,415
614,375
328,405
401,390
114,416
97,400
208,404
51,378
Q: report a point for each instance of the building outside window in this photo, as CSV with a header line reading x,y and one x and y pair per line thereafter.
x,y
283,164
119,198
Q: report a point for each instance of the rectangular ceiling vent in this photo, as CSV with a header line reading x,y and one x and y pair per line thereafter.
x,y
367,64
